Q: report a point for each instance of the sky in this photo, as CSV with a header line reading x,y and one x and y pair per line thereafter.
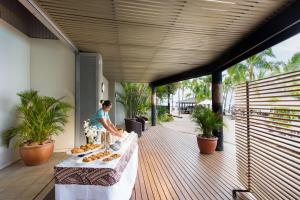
x,y
286,49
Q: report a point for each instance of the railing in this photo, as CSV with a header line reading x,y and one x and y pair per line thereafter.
x,y
268,136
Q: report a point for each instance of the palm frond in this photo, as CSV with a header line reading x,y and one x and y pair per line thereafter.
x,y
41,117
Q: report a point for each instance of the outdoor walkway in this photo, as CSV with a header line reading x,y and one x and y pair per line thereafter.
x,y
185,124
171,167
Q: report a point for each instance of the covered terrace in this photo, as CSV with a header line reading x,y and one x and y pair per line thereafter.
x,y
157,42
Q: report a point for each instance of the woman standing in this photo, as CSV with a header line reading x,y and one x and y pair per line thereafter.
x,y
101,119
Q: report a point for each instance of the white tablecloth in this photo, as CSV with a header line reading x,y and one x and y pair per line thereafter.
x,y
119,191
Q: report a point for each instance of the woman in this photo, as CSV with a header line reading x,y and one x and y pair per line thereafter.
x,y
101,119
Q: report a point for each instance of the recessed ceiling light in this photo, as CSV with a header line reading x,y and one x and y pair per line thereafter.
x,y
219,1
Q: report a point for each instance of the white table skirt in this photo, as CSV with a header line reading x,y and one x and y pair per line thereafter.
x,y
120,191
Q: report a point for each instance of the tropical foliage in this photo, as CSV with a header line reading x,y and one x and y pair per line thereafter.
x,y
40,118
258,62
207,121
256,67
163,114
200,88
165,91
135,98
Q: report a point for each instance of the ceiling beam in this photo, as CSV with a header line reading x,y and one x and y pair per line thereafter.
x,y
280,27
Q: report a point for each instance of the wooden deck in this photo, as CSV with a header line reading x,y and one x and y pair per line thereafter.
x,y
171,167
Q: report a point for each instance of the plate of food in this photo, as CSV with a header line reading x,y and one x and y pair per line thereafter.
x,y
84,149
93,157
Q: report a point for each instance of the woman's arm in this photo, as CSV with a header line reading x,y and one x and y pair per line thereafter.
x,y
112,125
110,128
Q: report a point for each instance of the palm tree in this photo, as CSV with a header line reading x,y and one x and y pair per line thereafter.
x,y
134,98
201,88
171,89
278,68
293,64
184,85
235,75
41,117
258,62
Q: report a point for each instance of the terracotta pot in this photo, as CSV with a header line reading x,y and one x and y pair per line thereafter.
x,y
207,145
36,155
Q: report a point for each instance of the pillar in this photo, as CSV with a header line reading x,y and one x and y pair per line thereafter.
x,y
153,106
112,98
217,104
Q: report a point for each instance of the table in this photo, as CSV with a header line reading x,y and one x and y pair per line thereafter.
x,y
110,181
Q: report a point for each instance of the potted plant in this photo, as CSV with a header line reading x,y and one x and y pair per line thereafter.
x,y
40,117
208,121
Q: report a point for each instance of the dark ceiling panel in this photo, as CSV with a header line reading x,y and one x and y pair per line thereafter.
x,y
19,17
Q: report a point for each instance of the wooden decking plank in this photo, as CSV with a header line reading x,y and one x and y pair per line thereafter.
x,y
227,165
184,186
199,183
137,188
166,186
176,184
192,186
142,184
153,179
215,168
170,167
170,182
145,177
205,176
158,184
215,163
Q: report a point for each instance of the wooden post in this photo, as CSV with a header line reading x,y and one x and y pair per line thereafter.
x,y
217,104
153,106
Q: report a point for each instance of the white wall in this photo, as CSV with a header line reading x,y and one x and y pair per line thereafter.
x,y
14,77
52,73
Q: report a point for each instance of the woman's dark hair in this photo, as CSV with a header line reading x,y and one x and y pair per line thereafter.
x,y
106,103
101,101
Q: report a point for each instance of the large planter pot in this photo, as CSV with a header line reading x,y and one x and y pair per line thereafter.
x,y
207,145
36,155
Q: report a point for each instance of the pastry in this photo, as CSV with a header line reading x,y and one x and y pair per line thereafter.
x,y
107,159
87,159
77,150
116,155
84,148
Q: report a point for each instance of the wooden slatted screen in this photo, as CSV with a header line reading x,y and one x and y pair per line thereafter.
x,y
268,136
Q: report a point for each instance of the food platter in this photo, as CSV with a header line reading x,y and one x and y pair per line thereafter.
x,y
102,156
84,149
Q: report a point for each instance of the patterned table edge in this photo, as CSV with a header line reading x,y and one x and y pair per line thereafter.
x,y
94,176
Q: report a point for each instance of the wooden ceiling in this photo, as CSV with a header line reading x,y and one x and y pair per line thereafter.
x,y
146,40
